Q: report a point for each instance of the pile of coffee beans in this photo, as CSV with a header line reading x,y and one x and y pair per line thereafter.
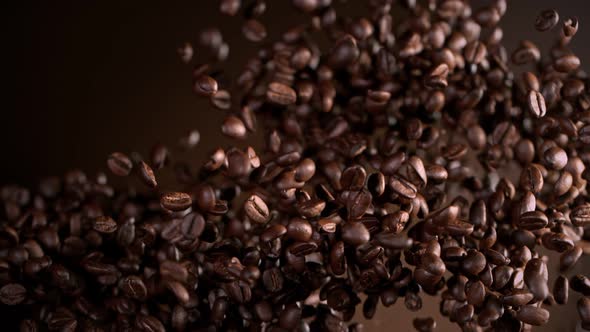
x,y
404,156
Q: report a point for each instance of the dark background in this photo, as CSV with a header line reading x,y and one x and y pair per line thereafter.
x,y
85,78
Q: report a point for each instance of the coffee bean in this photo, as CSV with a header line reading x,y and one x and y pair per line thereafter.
x,y
427,324
583,307
475,52
546,20
474,262
561,290
566,63
533,315
134,287
531,179
280,94
533,220
536,104
257,210
527,52
254,31
402,187
105,225
119,164
569,258
176,201
570,26
12,294
229,7
355,233
233,127
205,86
580,215
299,230
221,99
580,284
344,52
146,174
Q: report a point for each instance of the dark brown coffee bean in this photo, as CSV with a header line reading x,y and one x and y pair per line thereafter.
x,y
104,224
527,52
149,324
566,63
221,100
230,7
344,52
273,232
393,241
518,297
119,164
280,94
254,31
134,287
561,290
475,52
555,158
273,280
299,230
569,258
475,292
12,294
580,215
432,264
536,103
533,220
176,201
233,127
580,284
546,20
205,86
290,317
402,187
570,26
257,210
474,262
533,315
531,179
146,174
355,233
427,324
583,307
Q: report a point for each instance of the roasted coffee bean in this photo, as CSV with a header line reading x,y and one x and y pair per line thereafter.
x,y
257,210
536,103
205,86
233,127
273,280
531,179
146,174
230,7
570,26
105,225
254,31
561,290
583,307
402,187
580,215
134,287
176,201
527,52
355,233
580,284
299,230
533,315
119,164
569,258
280,94
533,220
221,100
546,20
566,63
474,262
12,294
424,324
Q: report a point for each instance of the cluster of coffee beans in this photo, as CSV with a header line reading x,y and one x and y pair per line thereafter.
x,y
404,156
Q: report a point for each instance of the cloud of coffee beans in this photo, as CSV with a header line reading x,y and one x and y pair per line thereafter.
x,y
404,158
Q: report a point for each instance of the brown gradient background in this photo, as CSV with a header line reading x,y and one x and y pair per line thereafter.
x,y
85,78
